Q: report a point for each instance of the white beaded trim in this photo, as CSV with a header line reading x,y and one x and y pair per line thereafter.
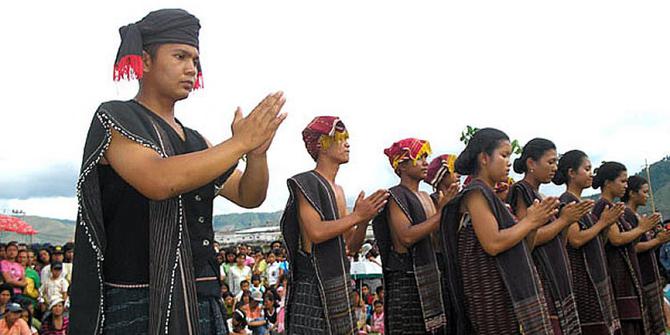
x,y
109,124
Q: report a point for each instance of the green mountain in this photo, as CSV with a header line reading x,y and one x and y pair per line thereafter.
x,y
660,184
238,221
61,231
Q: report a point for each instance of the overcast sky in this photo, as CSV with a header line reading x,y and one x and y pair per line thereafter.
x,y
592,75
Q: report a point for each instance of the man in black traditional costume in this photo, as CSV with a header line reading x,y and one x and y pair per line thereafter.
x,y
145,259
319,235
412,280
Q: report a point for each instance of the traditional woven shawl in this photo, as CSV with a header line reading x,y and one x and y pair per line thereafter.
x,y
172,297
552,259
426,272
329,258
515,265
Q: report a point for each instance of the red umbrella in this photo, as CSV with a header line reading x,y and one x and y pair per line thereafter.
x,y
15,225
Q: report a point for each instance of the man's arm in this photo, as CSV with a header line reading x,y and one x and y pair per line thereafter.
x,y
355,237
160,178
407,233
9,280
319,231
248,189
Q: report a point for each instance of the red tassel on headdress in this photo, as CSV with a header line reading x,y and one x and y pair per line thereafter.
x,y
199,83
129,67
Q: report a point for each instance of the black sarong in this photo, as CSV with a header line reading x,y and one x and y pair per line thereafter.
x,y
420,262
127,313
307,314
401,296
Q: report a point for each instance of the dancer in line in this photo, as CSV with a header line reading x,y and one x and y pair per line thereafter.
x,y
622,264
586,249
538,163
493,285
637,194
320,233
145,258
412,280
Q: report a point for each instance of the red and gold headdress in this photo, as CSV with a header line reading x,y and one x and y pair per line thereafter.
x,y
322,132
408,149
439,167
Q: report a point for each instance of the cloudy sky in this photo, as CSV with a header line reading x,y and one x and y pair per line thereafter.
x,y
593,75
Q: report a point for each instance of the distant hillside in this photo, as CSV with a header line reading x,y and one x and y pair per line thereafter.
x,y
54,231
61,231
660,183
238,221
58,231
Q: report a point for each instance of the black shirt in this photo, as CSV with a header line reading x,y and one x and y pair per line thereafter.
x,y
126,217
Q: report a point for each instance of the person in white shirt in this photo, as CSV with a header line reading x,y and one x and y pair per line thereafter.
x,y
54,287
237,274
272,270
57,256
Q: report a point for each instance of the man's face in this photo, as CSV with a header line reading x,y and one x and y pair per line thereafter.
x,y
12,252
240,260
44,256
12,317
69,254
449,179
243,250
56,272
57,258
244,286
338,151
416,171
31,258
4,297
172,71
